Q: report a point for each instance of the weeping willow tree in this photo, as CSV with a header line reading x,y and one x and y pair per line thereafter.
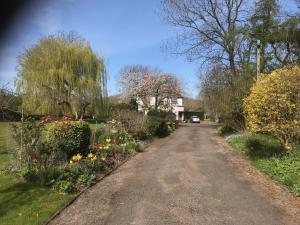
x,y
61,74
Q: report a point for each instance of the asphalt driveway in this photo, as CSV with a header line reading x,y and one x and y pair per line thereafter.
x,y
183,179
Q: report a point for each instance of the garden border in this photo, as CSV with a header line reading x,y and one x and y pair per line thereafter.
x,y
85,189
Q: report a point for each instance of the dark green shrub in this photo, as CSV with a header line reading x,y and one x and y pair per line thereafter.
x,y
141,135
153,124
31,148
157,113
157,126
45,176
101,131
87,179
157,123
225,130
64,186
262,146
163,130
68,137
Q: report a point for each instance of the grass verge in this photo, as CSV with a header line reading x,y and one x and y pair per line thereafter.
x,y
23,203
265,153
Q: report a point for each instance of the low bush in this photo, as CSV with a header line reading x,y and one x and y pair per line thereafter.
x,y
68,137
163,130
100,131
31,148
226,130
265,152
141,135
160,123
131,120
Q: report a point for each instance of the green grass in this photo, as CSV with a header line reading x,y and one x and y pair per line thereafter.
x,y
265,153
23,203
6,141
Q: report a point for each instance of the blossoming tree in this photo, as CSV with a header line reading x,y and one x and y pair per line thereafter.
x,y
140,82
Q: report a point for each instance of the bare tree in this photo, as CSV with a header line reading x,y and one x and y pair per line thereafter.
x,y
212,29
9,102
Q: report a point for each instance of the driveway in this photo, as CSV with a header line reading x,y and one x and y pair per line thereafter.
x,y
184,179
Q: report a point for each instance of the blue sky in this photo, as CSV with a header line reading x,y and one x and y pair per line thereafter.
x,y
123,32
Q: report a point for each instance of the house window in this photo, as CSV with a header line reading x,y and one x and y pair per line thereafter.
x,y
174,101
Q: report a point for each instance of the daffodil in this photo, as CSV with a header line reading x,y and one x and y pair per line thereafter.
x,y
77,157
94,158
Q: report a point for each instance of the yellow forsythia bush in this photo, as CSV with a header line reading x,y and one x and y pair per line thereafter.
x,y
274,105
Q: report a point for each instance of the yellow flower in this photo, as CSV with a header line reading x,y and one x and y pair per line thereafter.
x,y
77,157
106,147
90,155
94,158
71,161
108,140
103,158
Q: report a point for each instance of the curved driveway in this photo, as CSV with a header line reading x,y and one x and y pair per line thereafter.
x,y
183,179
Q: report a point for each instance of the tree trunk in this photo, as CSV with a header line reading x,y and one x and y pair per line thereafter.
x,y
156,100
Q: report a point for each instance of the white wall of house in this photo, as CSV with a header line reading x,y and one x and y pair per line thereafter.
x,y
175,103
180,101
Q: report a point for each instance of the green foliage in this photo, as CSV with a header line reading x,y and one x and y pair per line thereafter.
x,y
45,176
64,186
28,136
225,130
68,137
132,105
265,153
61,74
131,120
101,130
259,145
141,135
32,203
160,123
157,126
162,130
87,179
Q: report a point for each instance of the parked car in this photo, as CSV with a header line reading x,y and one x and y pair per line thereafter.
x,y
195,119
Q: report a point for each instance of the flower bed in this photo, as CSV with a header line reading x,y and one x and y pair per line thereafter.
x,y
48,161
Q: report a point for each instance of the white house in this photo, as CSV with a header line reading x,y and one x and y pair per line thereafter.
x,y
173,104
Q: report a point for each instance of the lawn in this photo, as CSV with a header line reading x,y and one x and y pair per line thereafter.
x,y
265,153
23,203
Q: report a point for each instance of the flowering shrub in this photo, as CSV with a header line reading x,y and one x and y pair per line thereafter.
x,y
274,105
